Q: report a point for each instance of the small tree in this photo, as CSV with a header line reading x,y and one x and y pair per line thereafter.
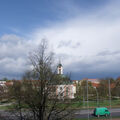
x,y
82,89
103,88
3,93
116,88
15,93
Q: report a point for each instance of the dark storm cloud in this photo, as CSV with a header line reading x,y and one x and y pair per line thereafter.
x,y
107,52
92,75
83,66
97,69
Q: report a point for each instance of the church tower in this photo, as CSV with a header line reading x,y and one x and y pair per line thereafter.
x,y
60,69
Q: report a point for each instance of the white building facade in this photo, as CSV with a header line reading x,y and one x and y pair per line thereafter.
x,y
66,91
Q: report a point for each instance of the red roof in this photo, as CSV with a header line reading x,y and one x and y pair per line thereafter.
x,y
94,80
95,84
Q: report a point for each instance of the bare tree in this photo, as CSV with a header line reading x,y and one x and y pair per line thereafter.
x,y
38,89
44,100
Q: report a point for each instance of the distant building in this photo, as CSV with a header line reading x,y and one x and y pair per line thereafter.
x,y
97,81
94,82
75,81
65,90
60,69
2,83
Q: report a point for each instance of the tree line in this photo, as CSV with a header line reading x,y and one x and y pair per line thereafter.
x,y
102,89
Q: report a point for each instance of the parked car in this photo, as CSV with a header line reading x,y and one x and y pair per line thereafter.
x,y
101,111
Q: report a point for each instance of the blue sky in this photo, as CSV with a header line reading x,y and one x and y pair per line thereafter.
x,y
25,15
83,33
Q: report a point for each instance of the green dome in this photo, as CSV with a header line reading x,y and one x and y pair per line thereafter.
x,y
59,65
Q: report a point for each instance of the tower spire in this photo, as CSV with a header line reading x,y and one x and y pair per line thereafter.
x,y
60,68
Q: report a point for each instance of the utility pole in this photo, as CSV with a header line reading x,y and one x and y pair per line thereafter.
x,y
97,97
83,99
87,101
110,97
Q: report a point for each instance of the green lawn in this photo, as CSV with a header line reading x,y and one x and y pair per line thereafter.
x,y
93,104
79,105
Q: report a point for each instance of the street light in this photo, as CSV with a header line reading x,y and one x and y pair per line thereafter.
x,y
97,97
110,97
83,94
87,101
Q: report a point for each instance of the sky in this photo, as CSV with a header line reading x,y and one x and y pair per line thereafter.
x,y
83,34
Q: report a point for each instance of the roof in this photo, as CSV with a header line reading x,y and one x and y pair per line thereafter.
x,y
94,80
95,84
59,65
112,85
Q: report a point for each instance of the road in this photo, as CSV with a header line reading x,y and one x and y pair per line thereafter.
x,y
77,113
115,112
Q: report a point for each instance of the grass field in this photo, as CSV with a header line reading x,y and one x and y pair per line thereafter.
x,y
93,104
77,105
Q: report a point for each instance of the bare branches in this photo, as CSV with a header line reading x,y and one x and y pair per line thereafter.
x,y
38,89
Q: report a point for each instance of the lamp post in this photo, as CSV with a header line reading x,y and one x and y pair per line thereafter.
x,y
97,97
83,94
87,101
110,96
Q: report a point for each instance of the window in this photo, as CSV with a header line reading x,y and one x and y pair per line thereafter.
x,y
61,94
60,88
67,91
59,71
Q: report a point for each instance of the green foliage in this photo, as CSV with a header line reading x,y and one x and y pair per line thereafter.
x,y
82,90
4,79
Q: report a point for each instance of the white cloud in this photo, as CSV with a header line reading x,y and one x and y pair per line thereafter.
x,y
13,55
80,42
90,35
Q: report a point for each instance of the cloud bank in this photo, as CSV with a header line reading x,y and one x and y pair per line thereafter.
x,y
88,44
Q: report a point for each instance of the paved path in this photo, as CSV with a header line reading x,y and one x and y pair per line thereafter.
x,y
91,111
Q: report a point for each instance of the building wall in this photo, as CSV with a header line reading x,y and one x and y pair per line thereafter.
x,y
66,91
2,83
